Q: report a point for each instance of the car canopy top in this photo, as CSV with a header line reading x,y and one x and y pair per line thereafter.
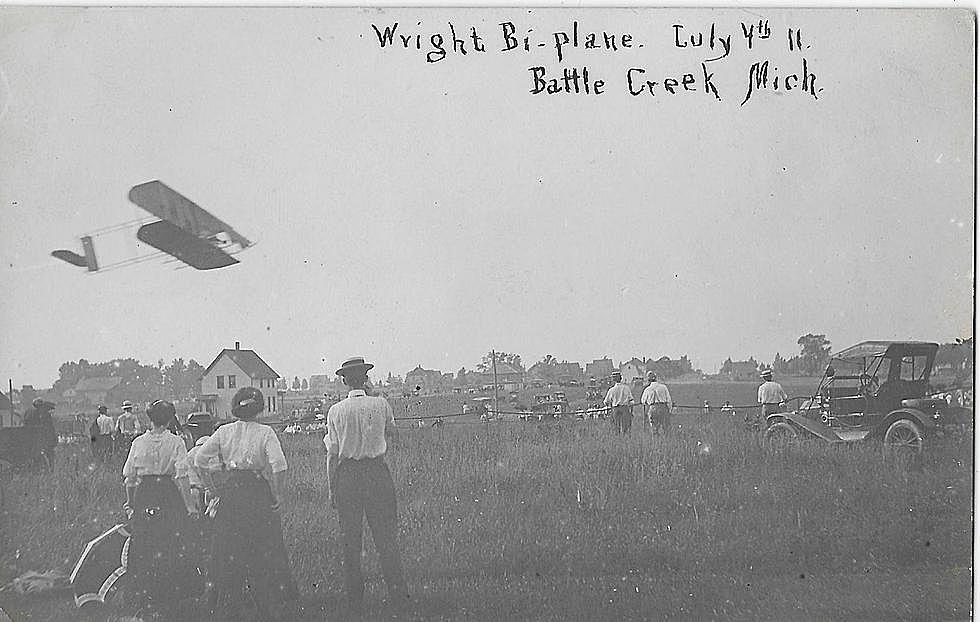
x,y
889,349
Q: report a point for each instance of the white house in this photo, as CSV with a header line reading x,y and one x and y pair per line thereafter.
x,y
231,370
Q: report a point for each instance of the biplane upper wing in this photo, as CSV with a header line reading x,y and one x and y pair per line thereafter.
x,y
168,204
184,245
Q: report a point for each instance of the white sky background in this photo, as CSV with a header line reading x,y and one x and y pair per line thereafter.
x,y
424,213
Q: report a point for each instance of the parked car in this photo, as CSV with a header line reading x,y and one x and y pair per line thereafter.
x,y
873,391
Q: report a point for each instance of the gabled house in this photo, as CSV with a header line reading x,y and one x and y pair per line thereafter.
x,y
96,391
633,370
424,380
232,370
599,368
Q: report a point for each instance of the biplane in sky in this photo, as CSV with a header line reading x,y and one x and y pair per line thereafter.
x,y
186,232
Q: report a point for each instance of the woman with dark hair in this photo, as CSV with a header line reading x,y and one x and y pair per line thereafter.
x,y
248,545
158,500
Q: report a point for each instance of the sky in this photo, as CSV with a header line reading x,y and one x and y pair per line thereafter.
x,y
424,213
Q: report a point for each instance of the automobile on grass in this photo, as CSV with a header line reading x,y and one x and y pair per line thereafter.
x,y
873,391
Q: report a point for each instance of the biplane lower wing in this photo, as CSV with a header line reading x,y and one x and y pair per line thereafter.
x,y
167,204
185,246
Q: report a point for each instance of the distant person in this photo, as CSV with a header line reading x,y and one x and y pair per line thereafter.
x,y
619,398
657,404
127,428
46,438
360,483
248,543
158,502
771,397
101,431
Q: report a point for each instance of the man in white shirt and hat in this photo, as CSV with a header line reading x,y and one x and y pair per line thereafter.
x,y
657,404
619,399
771,397
360,483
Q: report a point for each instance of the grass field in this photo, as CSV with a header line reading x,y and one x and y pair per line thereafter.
x,y
565,521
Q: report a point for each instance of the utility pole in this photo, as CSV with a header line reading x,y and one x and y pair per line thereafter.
x,y
493,359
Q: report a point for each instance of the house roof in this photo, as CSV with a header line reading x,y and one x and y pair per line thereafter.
x,y
505,368
250,362
100,383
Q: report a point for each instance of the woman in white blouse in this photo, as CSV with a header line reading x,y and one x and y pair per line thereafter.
x,y
158,501
248,543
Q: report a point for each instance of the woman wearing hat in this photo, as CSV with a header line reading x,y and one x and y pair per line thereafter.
x,y
248,544
158,501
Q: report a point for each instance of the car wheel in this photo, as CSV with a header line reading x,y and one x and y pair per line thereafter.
x,y
904,435
780,434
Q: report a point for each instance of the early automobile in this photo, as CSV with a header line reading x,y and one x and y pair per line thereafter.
x,y
875,390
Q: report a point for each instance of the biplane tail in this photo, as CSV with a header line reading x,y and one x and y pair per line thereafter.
x,y
88,260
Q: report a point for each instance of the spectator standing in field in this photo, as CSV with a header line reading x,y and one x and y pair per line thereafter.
x,y
102,429
657,404
158,501
360,483
248,543
771,397
127,427
620,399
46,438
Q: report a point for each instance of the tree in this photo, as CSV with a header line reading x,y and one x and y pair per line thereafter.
x,y
282,384
305,385
486,363
296,383
814,353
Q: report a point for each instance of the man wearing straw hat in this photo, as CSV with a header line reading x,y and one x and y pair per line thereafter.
x,y
657,404
360,483
619,399
771,397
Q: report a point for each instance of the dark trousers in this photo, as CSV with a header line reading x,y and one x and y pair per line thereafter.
x,y
660,417
364,489
622,418
765,411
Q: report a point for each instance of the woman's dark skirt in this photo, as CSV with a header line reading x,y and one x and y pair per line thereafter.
x,y
249,549
163,562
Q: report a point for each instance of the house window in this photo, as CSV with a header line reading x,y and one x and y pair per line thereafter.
x,y
231,381
273,398
221,382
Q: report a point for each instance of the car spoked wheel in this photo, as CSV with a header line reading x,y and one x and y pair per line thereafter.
x,y
904,436
780,434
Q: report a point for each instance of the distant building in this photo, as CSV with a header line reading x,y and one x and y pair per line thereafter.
x,y
232,370
96,391
599,368
425,380
740,370
509,377
633,370
568,372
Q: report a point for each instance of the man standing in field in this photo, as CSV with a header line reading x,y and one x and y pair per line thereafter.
x,y
619,399
127,427
360,483
657,404
771,397
102,429
39,416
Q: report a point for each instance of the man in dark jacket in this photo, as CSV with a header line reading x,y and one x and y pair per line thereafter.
x,y
39,416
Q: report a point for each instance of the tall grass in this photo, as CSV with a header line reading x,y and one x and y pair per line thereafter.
x,y
497,503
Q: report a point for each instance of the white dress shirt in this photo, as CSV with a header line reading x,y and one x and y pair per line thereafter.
x,y
618,395
105,424
771,393
242,445
656,393
155,453
356,426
